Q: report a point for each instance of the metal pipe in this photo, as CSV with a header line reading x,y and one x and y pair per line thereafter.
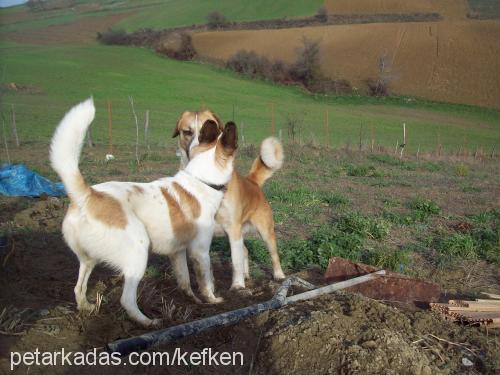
x,y
171,334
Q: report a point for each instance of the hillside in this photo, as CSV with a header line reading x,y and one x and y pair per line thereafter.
x,y
446,61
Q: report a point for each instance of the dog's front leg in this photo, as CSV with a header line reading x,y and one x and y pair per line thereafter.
x,y
199,254
178,260
237,257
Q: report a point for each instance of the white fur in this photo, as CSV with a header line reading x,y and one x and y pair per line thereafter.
x,y
67,143
271,153
147,215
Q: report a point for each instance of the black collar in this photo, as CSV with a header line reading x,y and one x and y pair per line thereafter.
x,y
213,186
216,187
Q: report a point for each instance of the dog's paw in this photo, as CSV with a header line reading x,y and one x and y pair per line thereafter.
x,y
86,306
279,275
215,300
156,323
237,286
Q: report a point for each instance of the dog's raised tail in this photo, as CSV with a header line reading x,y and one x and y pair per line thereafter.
x,y
269,161
66,147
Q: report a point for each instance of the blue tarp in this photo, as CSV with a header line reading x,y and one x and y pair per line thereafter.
x,y
18,181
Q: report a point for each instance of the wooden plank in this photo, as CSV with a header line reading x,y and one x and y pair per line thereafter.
x,y
489,301
474,308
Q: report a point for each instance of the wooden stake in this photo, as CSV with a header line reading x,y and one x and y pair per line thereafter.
x,y
272,118
14,126
90,142
110,129
5,140
136,130
327,130
360,137
404,141
146,131
372,142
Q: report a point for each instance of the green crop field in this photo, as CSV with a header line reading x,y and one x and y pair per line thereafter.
x,y
162,14
51,79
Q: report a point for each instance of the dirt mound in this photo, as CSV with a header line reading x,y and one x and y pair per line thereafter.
x,y
450,9
348,333
446,61
44,214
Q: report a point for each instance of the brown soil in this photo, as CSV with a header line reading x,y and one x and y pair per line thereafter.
x,y
452,61
83,30
341,333
450,9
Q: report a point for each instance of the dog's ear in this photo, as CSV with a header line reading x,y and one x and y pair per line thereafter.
x,y
229,139
209,132
176,130
219,121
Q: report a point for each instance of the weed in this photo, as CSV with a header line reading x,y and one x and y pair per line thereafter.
x,y
364,226
333,198
395,260
461,170
359,170
423,208
152,272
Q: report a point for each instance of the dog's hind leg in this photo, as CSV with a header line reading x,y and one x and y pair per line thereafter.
x,y
245,262
134,266
178,260
263,221
86,267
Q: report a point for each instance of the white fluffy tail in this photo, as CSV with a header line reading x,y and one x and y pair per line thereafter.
x,y
66,147
269,161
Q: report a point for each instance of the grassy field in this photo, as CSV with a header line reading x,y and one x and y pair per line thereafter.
x,y
51,79
157,14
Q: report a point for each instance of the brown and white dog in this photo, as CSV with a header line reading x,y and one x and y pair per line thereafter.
x,y
117,222
244,206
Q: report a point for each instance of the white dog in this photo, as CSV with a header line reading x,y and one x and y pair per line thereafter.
x,y
117,222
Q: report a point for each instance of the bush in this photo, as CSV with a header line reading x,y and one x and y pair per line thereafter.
x,y
184,50
377,87
216,20
249,63
322,14
117,37
306,69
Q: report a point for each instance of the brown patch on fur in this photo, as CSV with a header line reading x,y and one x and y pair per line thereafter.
x,y
184,230
138,189
259,172
188,200
106,209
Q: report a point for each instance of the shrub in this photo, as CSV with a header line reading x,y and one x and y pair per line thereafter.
x,y
377,87
216,20
322,14
117,37
249,63
183,50
306,69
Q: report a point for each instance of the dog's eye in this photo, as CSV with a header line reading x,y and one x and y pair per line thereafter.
x,y
187,133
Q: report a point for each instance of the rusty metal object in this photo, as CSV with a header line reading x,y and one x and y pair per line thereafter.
x,y
391,287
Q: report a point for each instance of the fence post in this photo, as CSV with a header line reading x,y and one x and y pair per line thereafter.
x,y
272,118
404,141
131,100
146,131
110,129
14,126
5,139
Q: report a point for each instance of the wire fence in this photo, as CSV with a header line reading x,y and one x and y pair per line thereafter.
x,y
117,122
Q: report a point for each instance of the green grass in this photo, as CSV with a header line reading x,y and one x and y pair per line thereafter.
x,y
68,74
188,12
163,14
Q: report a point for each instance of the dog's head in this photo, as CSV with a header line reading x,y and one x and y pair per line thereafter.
x,y
211,151
188,128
